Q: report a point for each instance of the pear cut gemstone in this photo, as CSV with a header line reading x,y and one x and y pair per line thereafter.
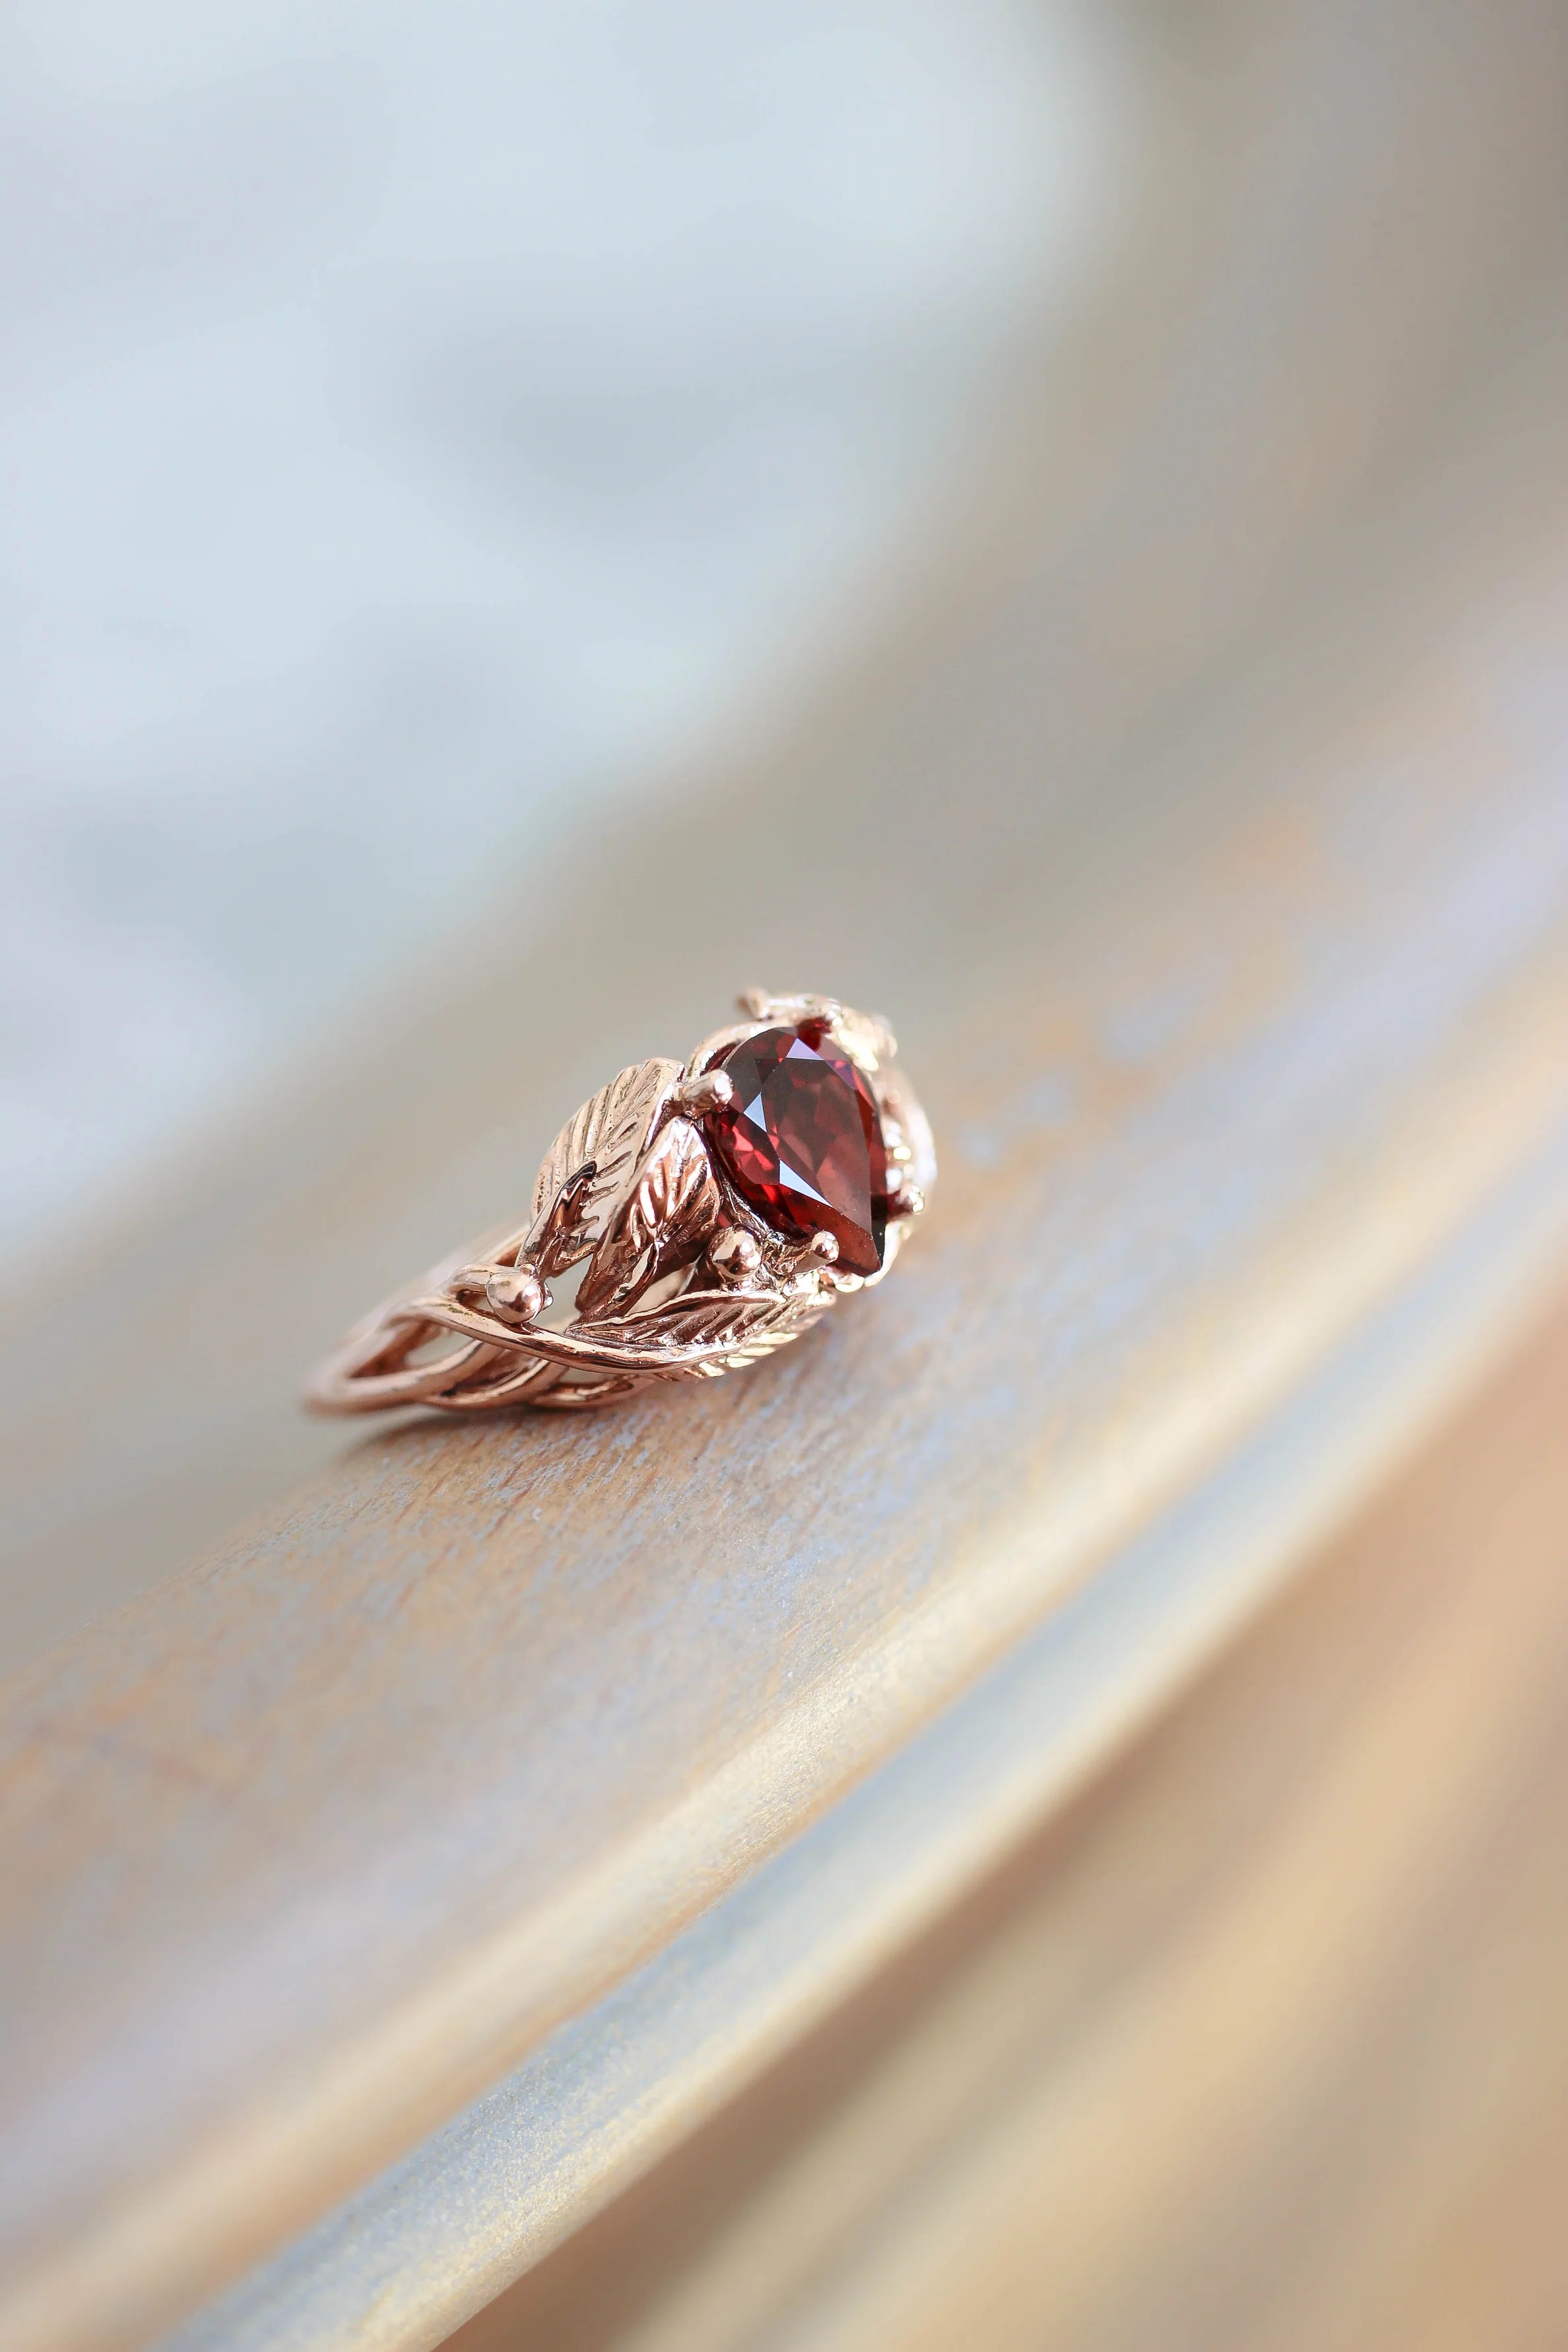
x,y
801,1141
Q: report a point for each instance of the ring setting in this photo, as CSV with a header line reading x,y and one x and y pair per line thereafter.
x,y
709,1211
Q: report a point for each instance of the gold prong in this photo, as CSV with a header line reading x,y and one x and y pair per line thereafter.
x,y
735,1253
826,1247
710,1091
754,1002
907,1202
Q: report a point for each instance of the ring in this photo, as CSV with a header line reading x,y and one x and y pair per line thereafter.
x,y
715,1209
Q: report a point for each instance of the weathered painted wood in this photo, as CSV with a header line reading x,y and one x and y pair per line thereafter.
x,y
1263,2044
440,2235
1205,835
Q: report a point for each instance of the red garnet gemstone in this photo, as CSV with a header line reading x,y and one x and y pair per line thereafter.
x,y
801,1141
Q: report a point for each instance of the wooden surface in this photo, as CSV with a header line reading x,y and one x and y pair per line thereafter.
x,y
1263,2044
1204,830
446,2229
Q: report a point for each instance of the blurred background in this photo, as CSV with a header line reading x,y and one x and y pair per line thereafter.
x,y
422,426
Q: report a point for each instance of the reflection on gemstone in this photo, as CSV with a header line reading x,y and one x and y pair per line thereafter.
x,y
801,1141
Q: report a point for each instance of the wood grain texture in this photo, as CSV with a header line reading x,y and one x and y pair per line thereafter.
x,y
444,2230
1205,837
1261,2043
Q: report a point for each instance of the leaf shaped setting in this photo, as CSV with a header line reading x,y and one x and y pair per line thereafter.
x,y
610,1134
708,1332
672,1207
905,1122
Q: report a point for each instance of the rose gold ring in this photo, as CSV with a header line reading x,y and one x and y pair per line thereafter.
x,y
716,1209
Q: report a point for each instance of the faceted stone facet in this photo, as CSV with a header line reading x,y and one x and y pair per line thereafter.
x,y
801,1141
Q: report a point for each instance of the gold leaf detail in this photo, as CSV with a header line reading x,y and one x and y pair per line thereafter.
x,y
608,1134
708,1332
904,1121
666,1219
